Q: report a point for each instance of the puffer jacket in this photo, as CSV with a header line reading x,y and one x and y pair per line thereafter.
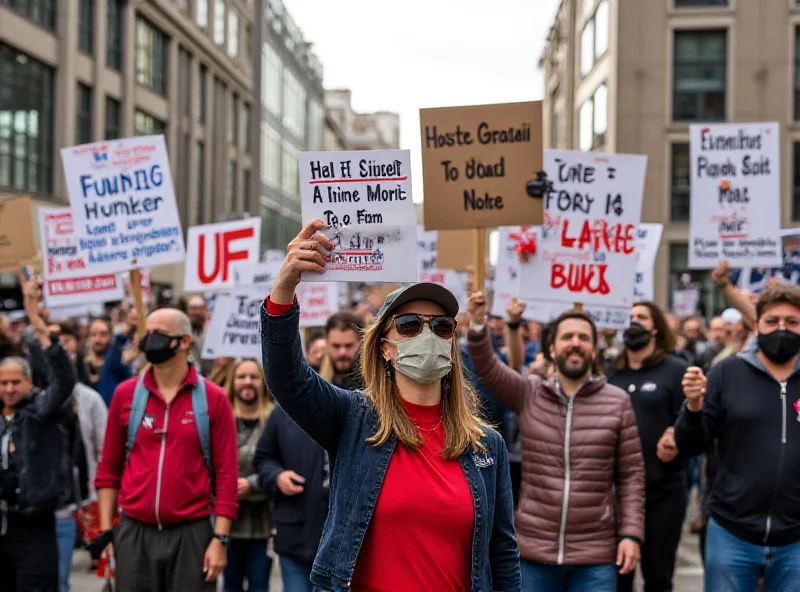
x,y
575,452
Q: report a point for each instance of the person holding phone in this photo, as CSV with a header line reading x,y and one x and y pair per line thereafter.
x,y
420,486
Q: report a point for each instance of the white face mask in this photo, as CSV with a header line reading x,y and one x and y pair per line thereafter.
x,y
424,358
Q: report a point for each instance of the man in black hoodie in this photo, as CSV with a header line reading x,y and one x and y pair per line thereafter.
x,y
751,405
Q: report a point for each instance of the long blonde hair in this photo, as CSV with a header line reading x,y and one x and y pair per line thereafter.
x,y
463,427
266,402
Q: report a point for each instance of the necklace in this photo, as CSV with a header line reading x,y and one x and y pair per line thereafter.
x,y
433,429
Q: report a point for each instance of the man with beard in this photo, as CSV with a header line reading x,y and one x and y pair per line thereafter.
x,y
343,338
101,367
580,445
197,311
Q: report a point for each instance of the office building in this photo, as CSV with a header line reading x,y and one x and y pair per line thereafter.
x,y
78,71
292,118
630,76
359,131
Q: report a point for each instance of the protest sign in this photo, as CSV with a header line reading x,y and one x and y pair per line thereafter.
x,y
235,328
317,301
456,249
735,195
17,244
365,198
648,240
429,271
273,255
69,280
213,249
755,279
123,204
260,275
587,251
476,163
506,274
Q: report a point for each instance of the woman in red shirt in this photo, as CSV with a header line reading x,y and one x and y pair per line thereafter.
x,y
420,489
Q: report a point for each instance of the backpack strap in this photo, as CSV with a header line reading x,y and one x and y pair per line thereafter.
x,y
139,404
201,421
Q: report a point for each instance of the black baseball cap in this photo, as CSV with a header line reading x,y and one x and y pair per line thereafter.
x,y
424,291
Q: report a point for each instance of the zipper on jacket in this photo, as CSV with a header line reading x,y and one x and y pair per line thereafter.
x,y
161,466
562,531
768,527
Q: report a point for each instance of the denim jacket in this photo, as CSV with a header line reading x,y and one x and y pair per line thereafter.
x,y
341,421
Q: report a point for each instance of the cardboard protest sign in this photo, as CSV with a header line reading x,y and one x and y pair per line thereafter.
x,y
476,163
123,204
213,249
365,197
755,279
235,328
17,243
456,249
735,195
648,240
317,301
587,251
68,278
430,272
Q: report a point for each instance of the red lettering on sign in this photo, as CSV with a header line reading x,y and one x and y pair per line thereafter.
x,y
614,238
223,256
580,277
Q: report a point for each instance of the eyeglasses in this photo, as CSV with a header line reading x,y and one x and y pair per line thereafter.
x,y
411,325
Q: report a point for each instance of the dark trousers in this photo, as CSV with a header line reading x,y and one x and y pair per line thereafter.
x,y
167,560
663,514
29,554
247,560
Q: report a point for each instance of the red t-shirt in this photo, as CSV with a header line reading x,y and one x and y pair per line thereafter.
x,y
420,536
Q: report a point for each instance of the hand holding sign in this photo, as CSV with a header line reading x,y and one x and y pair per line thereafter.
x,y
304,254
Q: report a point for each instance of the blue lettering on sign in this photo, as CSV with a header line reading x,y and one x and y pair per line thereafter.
x,y
141,180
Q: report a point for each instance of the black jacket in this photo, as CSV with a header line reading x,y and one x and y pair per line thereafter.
x,y
298,519
657,396
40,432
756,492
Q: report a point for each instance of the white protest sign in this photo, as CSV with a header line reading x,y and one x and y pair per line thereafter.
x,y
506,274
317,301
755,279
123,204
735,195
68,279
235,328
604,317
648,240
260,275
365,197
273,255
212,250
427,248
587,250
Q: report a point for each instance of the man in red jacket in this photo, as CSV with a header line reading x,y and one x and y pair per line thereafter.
x,y
165,539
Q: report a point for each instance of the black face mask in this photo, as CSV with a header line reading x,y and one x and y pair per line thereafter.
x,y
636,337
157,347
779,346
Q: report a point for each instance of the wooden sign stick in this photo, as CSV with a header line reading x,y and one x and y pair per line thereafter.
x,y
577,306
136,287
480,258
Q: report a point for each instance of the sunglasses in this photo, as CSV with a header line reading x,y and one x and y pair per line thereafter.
x,y
411,325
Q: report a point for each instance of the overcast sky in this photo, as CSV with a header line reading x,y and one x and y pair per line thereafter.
x,y
403,56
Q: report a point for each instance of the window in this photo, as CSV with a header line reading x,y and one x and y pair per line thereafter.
x,y
694,3
42,12
316,125
594,38
271,80
201,12
700,76
270,225
270,156
86,26
114,15
184,82
113,119
796,184
219,22
289,180
593,120
230,194
233,34
145,124
246,190
247,123
201,94
200,214
151,57
233,121
680,183
83,123
26,123
294,105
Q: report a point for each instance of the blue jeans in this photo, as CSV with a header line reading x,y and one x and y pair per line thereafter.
x,y
296,575
66,530
247,560
538,577
733,565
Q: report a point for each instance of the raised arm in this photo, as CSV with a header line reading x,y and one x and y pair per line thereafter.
x,y
736,298
702,415
516,345
506,384
319,408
